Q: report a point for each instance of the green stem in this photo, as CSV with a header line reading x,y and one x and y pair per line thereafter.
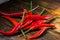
x,y
27,30
31,5
42,11
21,29
51,19
22,32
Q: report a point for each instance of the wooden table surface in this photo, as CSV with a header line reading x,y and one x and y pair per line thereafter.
x,y
49,34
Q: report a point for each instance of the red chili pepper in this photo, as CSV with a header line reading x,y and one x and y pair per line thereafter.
x,y
13,31
33,24
12,20
38,17
26,23
47,25
26,16
37,25
12,14
39,33
30,13
15,28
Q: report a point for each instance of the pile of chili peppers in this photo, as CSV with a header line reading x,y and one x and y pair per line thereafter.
x,y
31,22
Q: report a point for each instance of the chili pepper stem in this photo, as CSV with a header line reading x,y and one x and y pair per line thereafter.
x,y
27,30
23,17
21,29
31,5
51,19
43,11
34,8
23,34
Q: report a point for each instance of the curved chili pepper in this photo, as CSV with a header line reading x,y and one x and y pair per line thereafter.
x,y
12,14
27,23
38,17
33,24
15,28
39,33
13,31
12,20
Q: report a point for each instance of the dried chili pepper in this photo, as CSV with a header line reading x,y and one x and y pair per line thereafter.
x,y
15,28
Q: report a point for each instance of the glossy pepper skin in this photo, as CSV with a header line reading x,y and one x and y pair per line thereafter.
x,y
12,20
43,28
38,24
38,17
15,28
39,33
27,22
26,16
33,24
18,14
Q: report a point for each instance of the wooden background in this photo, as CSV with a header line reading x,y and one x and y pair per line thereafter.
x,y
16,6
